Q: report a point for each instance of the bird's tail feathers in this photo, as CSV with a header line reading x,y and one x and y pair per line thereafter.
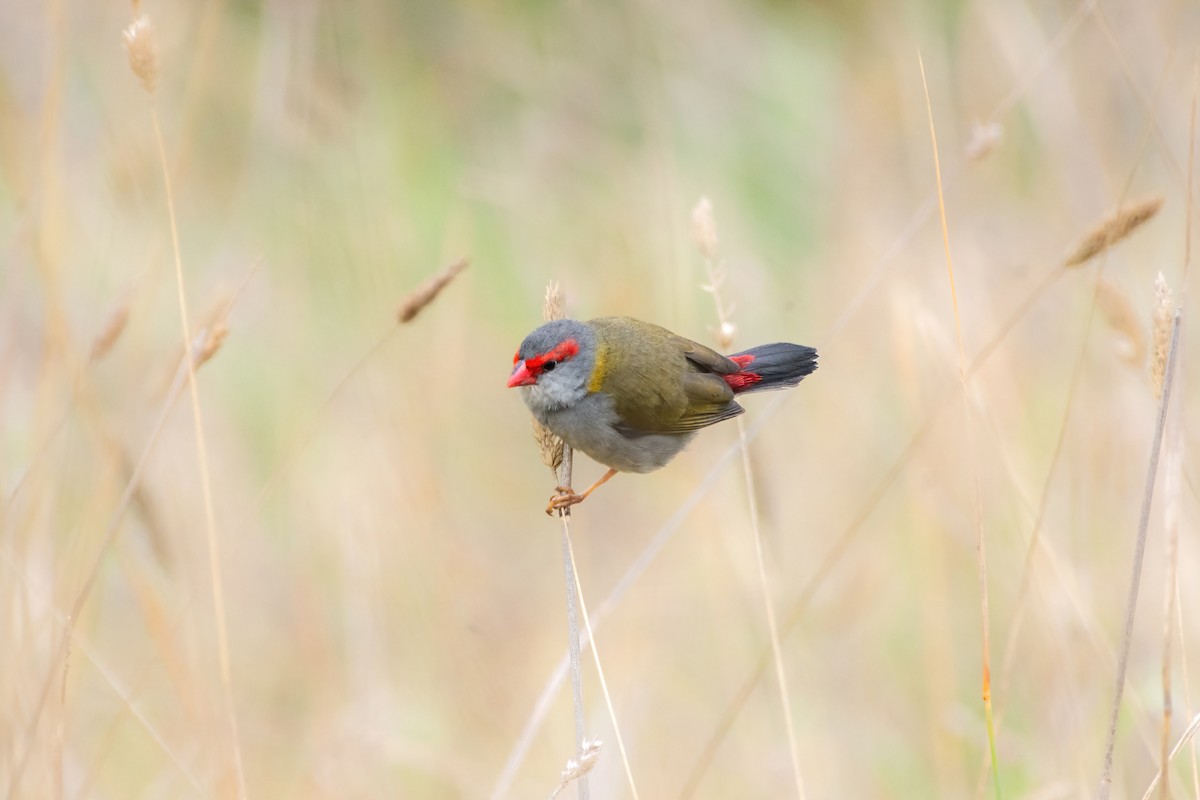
x,y
771,366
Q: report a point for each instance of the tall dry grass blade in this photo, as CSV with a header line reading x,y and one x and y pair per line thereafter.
x,y
1139,553
977,501
612,713
1187,265
559,457
1113,229
1172,472
705,231
428,290
1187,737
564,515
143,60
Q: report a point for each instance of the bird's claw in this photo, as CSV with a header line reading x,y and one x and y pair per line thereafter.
x,y
564,497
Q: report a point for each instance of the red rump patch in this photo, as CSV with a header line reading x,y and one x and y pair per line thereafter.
x,y
743,379
561,352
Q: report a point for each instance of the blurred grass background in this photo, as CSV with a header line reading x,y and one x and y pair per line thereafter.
x,y
393,591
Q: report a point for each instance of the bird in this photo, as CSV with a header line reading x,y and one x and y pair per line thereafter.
x,y
631,394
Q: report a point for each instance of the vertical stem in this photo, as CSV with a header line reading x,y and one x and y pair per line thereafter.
x,y
1139,552
564,479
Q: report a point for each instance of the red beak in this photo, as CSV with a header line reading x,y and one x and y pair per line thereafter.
x,y
521,376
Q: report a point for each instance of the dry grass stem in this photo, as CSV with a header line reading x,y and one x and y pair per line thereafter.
x,y
1139,552
428,290
210,526
1188,735
141,45
1118,312
1113,229
612,713
704,228
559,457
579,766
972,466
114,326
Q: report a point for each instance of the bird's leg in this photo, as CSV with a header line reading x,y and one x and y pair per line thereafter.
x,y
566,497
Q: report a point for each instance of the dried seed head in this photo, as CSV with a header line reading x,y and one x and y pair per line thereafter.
x,y
578,767
1160,333
114,326
1119,314
429,289
141,46
704,228
725,335
1113,229
985,137
549,445
208,342
553,307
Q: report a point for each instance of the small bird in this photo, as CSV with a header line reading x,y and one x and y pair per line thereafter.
x,y
632,395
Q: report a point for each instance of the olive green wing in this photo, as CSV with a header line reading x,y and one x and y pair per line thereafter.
x,y
706,359
657,389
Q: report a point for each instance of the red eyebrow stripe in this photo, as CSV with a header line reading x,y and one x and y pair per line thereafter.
x,y
561,352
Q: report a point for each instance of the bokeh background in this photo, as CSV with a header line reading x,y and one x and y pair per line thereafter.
x,y
392,593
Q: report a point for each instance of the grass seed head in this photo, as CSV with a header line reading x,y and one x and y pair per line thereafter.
x,y
549,444
141,45
704,228
1160,333
428,290
1113,229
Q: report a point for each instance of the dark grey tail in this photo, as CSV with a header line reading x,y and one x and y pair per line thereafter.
x,y
771,366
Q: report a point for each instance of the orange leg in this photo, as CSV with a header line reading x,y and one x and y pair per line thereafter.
x,y
565,498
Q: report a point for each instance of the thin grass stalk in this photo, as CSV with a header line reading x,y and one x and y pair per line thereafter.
x,y
573,647
1016,627
1187,737
1139,553
977,502
81,597
1171,501
1171,493
705,232
612,714
564,515
210,526
1187,263
541,707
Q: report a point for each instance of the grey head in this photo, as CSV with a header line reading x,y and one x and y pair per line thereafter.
x,y
554,364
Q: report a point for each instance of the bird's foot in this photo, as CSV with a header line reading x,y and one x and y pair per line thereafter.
x,y
564,497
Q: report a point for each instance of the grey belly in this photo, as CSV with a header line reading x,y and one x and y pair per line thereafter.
x,y
590,426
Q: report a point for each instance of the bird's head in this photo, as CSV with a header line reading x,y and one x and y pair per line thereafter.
x,y
554,363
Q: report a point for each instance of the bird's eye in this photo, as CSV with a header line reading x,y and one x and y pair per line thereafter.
x,y
549,366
